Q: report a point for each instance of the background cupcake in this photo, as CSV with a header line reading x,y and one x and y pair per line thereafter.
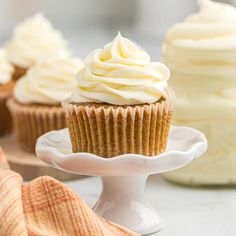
x,y
36,106
6,88
121,103
33,40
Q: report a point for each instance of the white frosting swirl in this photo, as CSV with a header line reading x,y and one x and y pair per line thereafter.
x,y
48,82
121,74
6,69
33,40
213,27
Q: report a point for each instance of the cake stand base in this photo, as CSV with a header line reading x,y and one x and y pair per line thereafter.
x,y
123,201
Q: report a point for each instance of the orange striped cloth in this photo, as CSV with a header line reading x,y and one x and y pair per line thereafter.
x,y
45,207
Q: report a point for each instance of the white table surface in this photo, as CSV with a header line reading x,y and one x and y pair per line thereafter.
x,y
187,211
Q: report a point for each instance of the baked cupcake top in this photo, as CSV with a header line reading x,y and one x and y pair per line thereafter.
x,y
33,40
121,74
213,27
6,69
48,82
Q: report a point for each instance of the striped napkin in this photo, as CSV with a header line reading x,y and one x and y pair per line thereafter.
x,y
46,207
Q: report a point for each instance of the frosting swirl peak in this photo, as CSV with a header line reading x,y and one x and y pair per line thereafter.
x,y
208,10
121,73
33,40
213,27
48,82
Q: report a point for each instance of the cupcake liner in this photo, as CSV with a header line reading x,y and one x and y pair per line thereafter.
x,y
31,121
108,130
18,72
5,117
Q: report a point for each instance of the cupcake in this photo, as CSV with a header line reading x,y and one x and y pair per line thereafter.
x,y
121,103
201,55
33,40
6,88
36,103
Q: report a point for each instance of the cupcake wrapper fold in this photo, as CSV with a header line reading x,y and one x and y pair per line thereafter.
x,y
108,131
31,121
5,116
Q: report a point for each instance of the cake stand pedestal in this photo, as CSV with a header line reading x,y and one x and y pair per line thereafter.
x,y
123,198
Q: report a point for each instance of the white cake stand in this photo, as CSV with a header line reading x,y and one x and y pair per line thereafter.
x,y
123,199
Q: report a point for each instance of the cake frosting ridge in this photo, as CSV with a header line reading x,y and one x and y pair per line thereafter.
x,y
206,42
48,82
210,28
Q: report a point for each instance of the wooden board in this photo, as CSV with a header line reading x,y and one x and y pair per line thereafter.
x,y
27,164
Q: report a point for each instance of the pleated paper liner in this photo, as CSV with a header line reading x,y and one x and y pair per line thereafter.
x,y
5,116
31,121
108,130
18,72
